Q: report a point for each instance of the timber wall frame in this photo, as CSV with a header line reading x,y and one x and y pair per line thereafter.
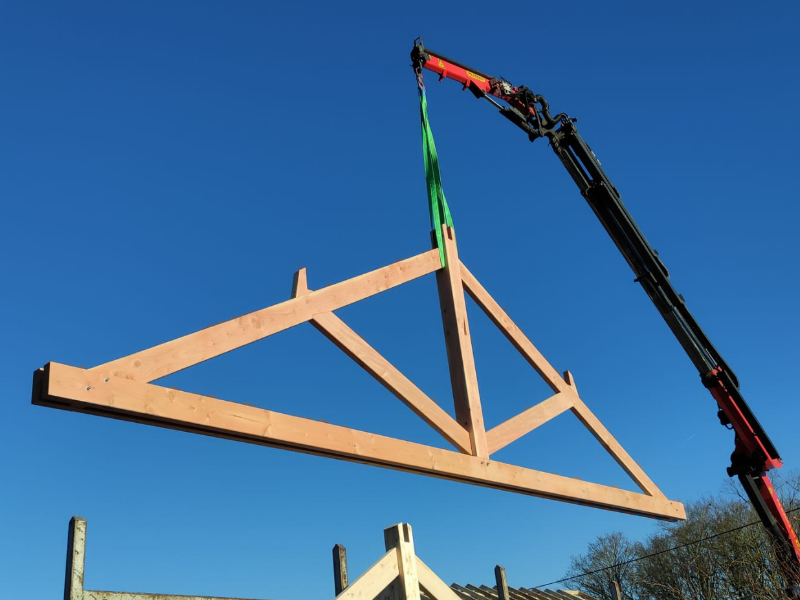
x,y
122,389
398,575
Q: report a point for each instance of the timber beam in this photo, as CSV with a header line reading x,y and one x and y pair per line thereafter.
x,y
87,391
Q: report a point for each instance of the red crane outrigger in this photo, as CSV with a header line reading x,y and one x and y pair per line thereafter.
x,y
754,454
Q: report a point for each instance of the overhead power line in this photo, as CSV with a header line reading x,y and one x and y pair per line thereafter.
x,y
651,555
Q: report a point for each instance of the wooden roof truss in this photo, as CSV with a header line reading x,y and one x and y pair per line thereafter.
x,y
123,389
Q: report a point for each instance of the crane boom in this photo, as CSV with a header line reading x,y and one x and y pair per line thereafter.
x,y
754,453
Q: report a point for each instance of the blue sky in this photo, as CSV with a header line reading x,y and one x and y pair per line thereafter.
x,y
169,166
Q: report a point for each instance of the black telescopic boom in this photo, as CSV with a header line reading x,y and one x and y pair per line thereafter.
x,y
605,201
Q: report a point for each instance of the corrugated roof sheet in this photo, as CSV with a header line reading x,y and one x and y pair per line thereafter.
x,y
484,592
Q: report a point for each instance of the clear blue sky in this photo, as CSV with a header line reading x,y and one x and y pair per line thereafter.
x,y
166,166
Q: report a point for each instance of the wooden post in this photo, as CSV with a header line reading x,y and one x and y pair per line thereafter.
x,y
460,359
616,588
399,537
502,583
76,559
339,569
76,566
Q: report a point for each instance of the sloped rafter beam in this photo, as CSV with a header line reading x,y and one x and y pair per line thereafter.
x,y
513,333
614,448
374,580
121,389
433,585
176,355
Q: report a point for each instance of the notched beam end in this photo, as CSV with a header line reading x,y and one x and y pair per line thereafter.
x,y
39,383
299,283
39,391
570,380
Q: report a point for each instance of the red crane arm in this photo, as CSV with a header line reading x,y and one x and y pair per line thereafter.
x,y
754,453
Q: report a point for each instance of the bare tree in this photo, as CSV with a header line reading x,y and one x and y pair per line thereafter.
x,y
606,561
721,552
716,554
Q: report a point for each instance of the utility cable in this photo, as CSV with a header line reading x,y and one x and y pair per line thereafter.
x,y
653,554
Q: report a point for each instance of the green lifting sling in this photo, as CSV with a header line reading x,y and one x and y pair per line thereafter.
x,y
440,213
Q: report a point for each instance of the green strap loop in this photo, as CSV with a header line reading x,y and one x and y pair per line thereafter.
x,y
440,213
